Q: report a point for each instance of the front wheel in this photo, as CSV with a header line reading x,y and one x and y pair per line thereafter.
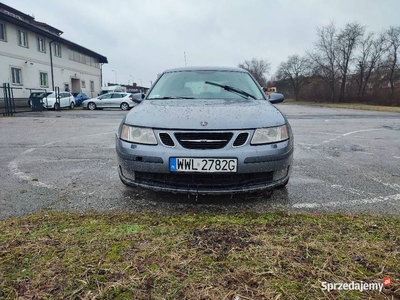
x,y
72,105
56,106
124,106
92,106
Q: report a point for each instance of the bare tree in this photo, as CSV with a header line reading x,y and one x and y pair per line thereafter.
x,y
345,43
324,57
371,51
258,68
393,40
297,70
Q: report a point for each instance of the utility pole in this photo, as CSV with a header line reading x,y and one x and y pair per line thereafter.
x,y
116,79
51,66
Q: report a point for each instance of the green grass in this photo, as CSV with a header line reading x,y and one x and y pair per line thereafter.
x,y
361,106
277,255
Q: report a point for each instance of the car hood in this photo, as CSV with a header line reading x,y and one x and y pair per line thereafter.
x,y
216,114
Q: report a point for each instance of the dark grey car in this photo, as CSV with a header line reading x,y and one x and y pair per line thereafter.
x,y
205,130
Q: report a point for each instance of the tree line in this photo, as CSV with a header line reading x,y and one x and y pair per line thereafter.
x,y
345,64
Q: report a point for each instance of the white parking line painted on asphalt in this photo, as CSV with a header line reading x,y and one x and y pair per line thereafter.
x,y
352,190
394,186
373,199
358,131
350,133
14,167
395,197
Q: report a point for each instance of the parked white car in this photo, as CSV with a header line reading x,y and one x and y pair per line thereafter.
x,y
66,99
124,101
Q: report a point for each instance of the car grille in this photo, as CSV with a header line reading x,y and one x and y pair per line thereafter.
x,y
203,140
203,181
241,139
166,139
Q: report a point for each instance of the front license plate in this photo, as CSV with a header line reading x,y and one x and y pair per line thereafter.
x,y
206,165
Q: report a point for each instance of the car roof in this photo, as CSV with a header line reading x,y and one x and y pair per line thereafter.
x,y
206,68
115,93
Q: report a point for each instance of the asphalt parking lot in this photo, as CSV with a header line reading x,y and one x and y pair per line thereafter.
x,y
345,161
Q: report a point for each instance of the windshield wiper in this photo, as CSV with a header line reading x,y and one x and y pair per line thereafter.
x,y
231,89
169,97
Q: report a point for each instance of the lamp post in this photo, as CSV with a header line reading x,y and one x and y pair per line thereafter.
x,y
116,80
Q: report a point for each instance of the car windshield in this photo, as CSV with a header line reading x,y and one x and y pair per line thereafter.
x,y
205,85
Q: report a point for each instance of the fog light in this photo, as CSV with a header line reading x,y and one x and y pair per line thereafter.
x,y
128,173
280,174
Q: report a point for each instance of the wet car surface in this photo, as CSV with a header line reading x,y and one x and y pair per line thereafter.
x,y
344,161
205,130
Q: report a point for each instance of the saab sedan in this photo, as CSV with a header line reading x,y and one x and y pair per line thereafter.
x,y
205,131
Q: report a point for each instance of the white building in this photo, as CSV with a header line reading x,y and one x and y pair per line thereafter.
x,y
27,63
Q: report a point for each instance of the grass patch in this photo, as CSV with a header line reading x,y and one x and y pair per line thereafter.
x,y
394,109
196,256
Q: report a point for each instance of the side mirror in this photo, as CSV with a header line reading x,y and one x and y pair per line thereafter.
x,y
143,95
276,98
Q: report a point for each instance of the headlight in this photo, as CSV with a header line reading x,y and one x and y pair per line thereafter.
x,y
138,135
270,135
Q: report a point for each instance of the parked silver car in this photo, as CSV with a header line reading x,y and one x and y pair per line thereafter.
x,y
207,131
124,101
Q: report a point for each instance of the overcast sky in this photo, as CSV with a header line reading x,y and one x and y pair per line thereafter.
x,y
142,38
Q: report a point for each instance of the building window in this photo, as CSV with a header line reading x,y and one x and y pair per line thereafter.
x,y
92,86
82,58
57,50
2,32
83,84
16,76
41,44
22,39
43,79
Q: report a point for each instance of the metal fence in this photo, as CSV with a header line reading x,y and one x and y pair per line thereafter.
x,y
8,100
14,100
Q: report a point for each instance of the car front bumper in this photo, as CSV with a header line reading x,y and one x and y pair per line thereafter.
x,y
258,168
48,104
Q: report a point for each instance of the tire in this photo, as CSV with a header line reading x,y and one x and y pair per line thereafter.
x,y
56,106
124,106
92,106
72,105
